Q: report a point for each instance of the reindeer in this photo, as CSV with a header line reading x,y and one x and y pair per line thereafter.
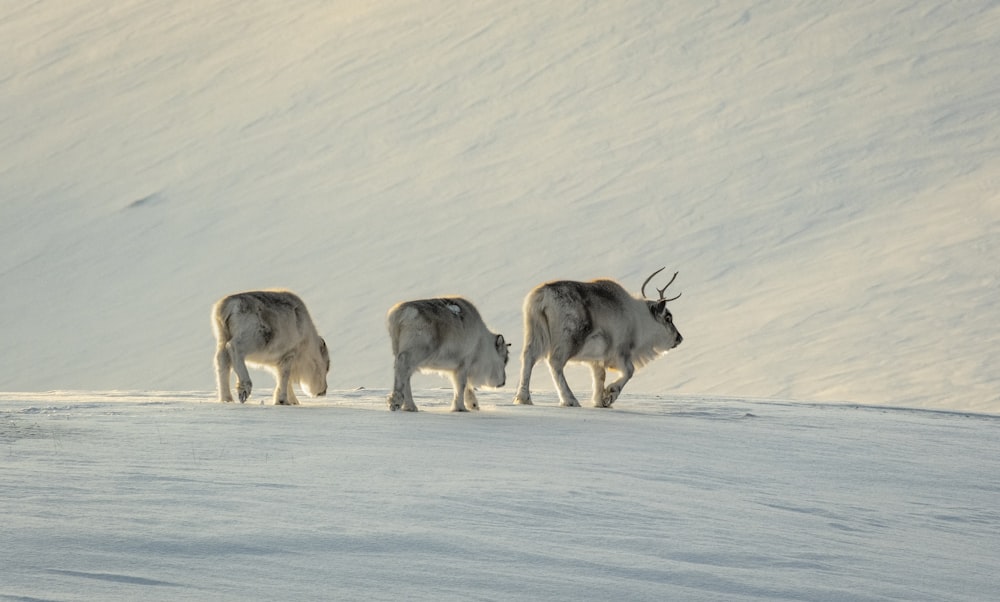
x,y
596,323
273,330
446,336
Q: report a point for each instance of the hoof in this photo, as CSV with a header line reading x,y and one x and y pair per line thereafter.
x,y
609,396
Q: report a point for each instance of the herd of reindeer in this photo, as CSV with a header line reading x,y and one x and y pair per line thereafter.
x,y
597,323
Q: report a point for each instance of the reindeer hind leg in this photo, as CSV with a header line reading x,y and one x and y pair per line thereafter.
x,y
223,370
557,364
402,395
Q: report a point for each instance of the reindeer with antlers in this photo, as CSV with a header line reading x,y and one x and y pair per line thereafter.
x,y
596,323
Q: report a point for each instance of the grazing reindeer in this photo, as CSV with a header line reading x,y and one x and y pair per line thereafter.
x,y
272,330
446,336
596,323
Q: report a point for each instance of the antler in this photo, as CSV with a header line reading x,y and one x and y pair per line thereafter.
x,y
664,289
643,289
660,290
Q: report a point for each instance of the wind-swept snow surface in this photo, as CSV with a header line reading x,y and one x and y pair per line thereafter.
x,y
177,497
823,175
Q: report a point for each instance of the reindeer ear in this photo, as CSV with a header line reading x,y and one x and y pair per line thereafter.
x,y
660,307
499,342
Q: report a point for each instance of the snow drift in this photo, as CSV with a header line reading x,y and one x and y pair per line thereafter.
x,y
174,496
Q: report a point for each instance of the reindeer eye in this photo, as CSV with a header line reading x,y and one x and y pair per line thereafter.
x,y
668,318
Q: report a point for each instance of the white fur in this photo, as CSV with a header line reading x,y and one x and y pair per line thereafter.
x,y
446,336
597,323
271,330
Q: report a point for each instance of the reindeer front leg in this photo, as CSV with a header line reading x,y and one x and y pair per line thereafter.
x,y
470,398
600,374
460,380
627,368
283,388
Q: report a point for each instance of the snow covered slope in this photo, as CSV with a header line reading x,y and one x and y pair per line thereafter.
x,y
823,176
173,496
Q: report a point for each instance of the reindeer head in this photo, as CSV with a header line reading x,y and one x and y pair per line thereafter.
x,y
660,313
312,368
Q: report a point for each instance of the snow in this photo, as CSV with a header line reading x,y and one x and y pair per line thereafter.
x,y
174,496
823,177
